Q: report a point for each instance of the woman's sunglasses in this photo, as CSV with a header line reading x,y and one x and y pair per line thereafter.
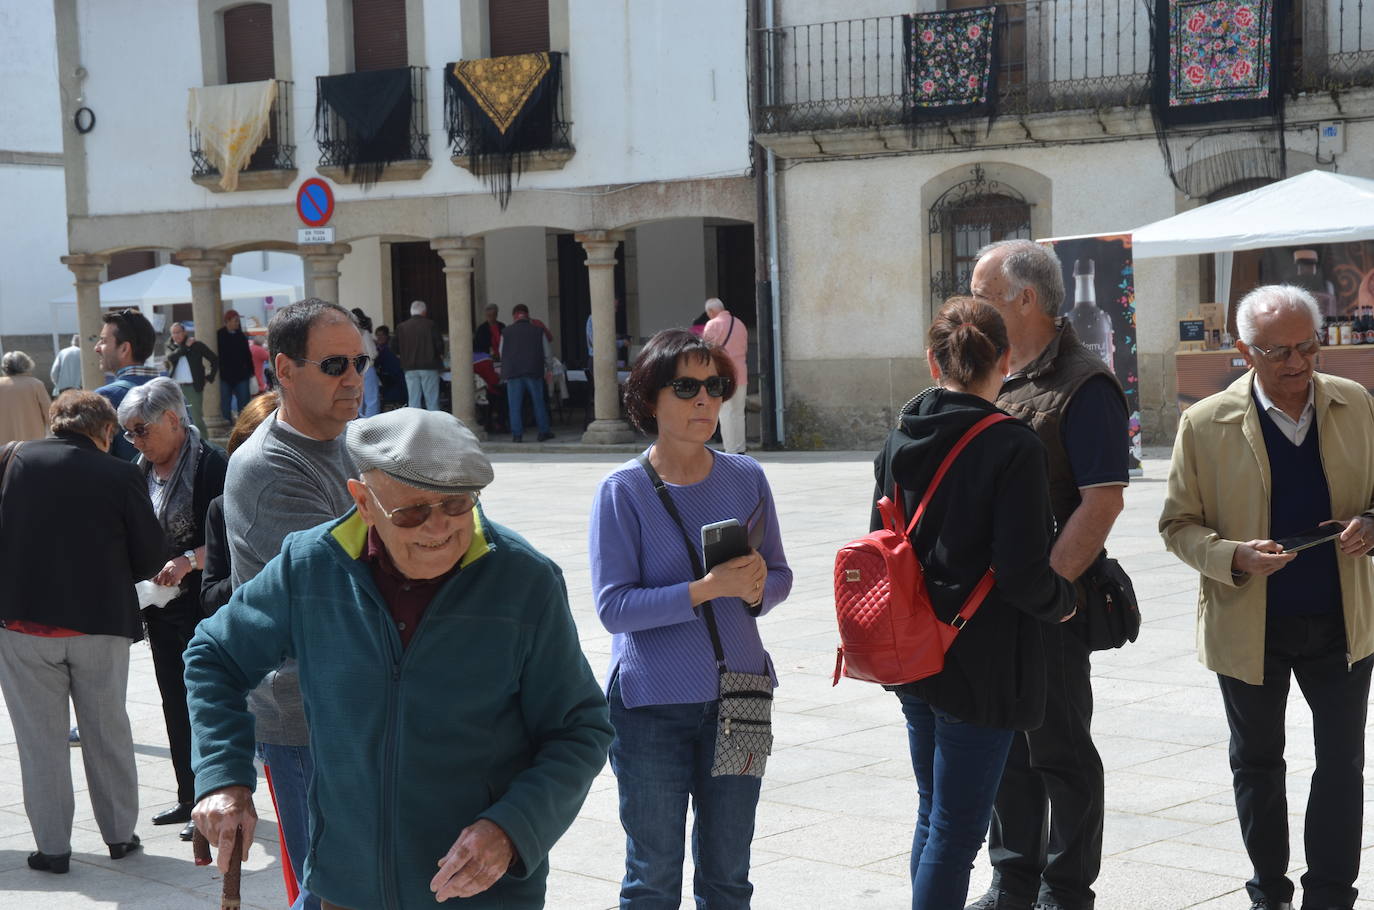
x,y
414,516
686,387
336,366
138,432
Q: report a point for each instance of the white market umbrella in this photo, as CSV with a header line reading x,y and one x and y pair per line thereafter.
x,y
1315,207
167,284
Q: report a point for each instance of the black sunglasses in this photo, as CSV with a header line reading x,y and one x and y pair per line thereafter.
x,y
686,387
336,365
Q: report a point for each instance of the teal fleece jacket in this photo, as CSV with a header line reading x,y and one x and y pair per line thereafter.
x,y
491,712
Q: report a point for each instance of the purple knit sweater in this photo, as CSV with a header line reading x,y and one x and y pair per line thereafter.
x,y
660,648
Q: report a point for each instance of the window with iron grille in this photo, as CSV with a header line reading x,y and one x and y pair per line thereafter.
x,y
963,220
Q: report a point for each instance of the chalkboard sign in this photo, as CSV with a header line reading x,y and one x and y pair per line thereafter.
x,y
1192,330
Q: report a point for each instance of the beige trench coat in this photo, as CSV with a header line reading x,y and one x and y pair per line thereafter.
x,y
1218,497
23,408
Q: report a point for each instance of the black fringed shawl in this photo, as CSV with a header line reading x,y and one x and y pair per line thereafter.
x,y
374,108
500,109
1218,60
951,64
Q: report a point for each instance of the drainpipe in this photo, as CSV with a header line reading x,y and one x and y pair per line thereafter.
x,y
774,430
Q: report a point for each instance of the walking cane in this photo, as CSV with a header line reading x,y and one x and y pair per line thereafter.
x,y
230,900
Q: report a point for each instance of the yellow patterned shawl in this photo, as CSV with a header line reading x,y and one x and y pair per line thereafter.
x,y
232,121
502,85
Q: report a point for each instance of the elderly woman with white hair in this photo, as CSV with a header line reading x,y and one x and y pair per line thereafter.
x,y
24,400
183,473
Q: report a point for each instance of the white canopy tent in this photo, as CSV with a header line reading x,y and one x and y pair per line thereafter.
x,y
1315,207
166,285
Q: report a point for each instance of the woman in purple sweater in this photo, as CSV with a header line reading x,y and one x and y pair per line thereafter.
x,y
663,680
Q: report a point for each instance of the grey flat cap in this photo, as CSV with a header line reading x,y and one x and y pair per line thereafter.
x,y
431,450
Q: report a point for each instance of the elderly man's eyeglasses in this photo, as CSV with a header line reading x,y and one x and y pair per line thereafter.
x,y
414,516
687,387
1281,353
139,432
337,365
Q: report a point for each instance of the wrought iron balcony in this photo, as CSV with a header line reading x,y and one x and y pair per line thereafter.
x,y
397,150
547,134
1053,55
276,154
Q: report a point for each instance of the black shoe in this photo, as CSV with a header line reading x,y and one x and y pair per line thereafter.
x,y
177,815
545,437
50,862
997,899
189,832
1264,903
517,438
119,851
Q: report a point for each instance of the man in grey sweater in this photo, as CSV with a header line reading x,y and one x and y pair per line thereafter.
x,y
292,474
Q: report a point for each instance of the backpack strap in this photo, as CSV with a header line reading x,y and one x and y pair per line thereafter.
x,y
708,612
959,446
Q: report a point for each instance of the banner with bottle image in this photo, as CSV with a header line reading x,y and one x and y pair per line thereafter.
x,y
1099,301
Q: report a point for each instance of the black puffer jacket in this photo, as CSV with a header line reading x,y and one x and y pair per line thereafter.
x,y
992,508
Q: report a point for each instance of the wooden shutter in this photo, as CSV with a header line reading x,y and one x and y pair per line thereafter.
x,y
518,26
248,51
129,262
379,35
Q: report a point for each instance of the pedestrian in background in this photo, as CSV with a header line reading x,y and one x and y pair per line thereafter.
x,y
725,329
991,510
420,345
182,472
187,360
24,401
126,343
390,376
664,681
524,350
235,366
372,389
66,368
66,632
1280,451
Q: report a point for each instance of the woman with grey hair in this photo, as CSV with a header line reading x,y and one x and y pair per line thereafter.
x,y
24,400
183,473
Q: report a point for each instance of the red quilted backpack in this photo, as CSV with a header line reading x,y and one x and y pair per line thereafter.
x,y
889,632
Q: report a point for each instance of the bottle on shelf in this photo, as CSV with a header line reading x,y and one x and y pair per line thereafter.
x,y
1090,323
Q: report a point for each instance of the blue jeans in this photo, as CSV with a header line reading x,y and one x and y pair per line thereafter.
x,y
662,756
422,387
958,767
292,767
229,393
516,389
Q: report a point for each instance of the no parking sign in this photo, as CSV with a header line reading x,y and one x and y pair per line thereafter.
x,y
315,206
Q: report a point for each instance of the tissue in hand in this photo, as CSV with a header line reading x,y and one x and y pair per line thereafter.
x,y
151,595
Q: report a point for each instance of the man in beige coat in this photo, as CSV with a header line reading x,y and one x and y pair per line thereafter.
x,y
1284,449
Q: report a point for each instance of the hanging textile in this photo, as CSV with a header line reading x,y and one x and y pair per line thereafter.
x,y
951,63
500,109
373,128
1220,60
232,121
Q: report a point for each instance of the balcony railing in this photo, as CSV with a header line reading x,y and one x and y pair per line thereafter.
x,y
549,129
1054,55
336,146
277,153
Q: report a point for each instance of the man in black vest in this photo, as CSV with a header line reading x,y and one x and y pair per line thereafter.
x,y
1284,449
1045,843
523,352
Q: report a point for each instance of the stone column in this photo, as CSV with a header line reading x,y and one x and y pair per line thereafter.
x,y
608,427
206,268
87,268
322,269
460,255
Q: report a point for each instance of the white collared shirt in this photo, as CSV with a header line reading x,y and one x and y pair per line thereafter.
x,y
1295,430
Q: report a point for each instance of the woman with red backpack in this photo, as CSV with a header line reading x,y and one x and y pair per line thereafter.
x,y
992,509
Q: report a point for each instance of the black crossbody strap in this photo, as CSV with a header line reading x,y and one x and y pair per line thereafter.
x,y
707,612
6,454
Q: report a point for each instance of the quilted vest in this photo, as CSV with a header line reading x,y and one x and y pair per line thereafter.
x,y
1039,394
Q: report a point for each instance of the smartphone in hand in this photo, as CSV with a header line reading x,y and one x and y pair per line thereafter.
x,y
722,541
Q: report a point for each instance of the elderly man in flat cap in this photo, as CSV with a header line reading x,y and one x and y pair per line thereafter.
x,y
455,724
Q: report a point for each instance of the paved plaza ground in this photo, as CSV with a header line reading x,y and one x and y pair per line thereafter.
x,y
834,826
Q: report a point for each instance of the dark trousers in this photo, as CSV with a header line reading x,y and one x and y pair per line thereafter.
x,y
169,632
1313,650
1045,842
